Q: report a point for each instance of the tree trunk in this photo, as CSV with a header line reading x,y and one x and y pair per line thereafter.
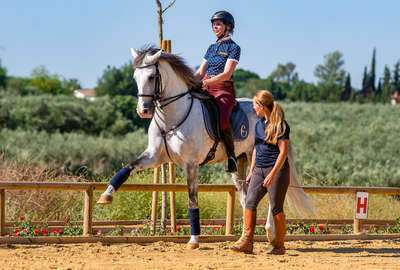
x,y
160,21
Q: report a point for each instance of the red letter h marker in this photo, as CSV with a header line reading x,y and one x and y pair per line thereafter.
x,y
362,205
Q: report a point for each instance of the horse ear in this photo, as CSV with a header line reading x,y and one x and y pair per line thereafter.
x,y
134,53
151,59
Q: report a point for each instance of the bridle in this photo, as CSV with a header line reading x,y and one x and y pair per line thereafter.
x,y
159,103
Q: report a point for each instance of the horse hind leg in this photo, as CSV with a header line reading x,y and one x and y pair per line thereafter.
x,y
270,227
239,179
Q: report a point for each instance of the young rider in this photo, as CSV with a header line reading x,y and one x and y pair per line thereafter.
x,y
269,171
216,72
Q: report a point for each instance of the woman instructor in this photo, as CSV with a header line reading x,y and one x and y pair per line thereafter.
x,y
216,72
269,171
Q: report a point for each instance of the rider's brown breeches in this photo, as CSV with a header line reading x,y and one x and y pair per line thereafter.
x,y
224,93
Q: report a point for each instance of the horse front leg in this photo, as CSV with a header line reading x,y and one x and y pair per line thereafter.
x,y
150,158
192,171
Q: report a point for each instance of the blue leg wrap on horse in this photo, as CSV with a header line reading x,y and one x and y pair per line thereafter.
x,y
194,215
120,178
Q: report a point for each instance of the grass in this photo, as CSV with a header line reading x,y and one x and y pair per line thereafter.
x,y
345,144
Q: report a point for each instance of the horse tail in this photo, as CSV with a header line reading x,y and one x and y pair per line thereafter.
x,y
297,199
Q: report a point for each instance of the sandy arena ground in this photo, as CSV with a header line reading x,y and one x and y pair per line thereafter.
x,y
350,255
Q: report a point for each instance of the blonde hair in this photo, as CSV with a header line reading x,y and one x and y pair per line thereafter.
x,y
277,125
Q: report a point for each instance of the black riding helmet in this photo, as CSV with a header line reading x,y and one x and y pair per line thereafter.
x,y
225,17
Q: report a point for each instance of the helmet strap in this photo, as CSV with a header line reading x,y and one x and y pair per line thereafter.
x,y
225,34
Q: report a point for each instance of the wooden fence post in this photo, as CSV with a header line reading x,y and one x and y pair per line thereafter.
x,y
156,178
2,212
166,46
88,212
230,213
163,220
172,197
357,226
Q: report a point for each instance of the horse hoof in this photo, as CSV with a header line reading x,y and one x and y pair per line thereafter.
x,y
192,245
105,199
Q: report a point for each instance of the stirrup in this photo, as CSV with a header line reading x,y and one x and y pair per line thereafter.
x,y
232,165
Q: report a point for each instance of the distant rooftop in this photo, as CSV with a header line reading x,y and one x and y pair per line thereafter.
x,y
89,94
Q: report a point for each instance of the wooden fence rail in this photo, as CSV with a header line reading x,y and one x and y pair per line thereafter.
x,y
89,188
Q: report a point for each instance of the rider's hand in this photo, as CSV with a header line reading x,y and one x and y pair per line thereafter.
x,y
269,180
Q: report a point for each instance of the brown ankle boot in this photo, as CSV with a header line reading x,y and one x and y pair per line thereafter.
x,y
246,245
280,233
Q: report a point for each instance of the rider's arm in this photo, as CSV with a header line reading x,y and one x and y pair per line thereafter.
x,y
199,74
226,75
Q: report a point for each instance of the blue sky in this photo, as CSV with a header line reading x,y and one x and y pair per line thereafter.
x,y
78,39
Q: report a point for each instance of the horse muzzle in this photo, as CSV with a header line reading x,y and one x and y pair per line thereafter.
x,y
145,111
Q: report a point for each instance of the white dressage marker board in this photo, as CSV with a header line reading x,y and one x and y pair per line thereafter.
x,y
361,209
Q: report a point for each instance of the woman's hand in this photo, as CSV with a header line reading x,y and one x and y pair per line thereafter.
x,y
248,178
204,84
269,180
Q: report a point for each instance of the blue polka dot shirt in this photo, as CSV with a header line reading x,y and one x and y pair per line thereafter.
x,y
217,55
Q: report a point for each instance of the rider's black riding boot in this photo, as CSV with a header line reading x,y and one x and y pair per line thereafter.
x,y
227,137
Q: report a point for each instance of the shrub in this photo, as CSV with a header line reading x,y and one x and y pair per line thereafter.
x,y
105,115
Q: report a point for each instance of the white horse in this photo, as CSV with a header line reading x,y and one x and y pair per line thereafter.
x,y
177,133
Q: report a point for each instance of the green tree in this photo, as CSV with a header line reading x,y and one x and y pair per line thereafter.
x,y
396,76
20,86
365,79
49,84
285,73
371,76
70,84
303,91
331,71
387,77
347,93
366,91
387,85
3,76
253,85
127,106
241,76
117,81
379,91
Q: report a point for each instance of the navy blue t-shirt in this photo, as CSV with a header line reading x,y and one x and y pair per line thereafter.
x,y
217,55
266,153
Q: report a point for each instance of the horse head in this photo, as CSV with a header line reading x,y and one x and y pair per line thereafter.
x,y
148,79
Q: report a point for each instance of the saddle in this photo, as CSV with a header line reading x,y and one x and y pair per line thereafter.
x,y
238,119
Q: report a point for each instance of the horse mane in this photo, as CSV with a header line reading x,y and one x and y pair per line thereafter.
x,y
177,63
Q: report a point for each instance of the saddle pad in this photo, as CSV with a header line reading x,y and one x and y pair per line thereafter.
x,y
239,124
